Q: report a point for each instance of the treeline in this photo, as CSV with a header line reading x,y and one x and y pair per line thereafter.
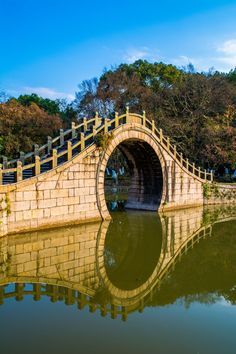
x,y
29,119
197,110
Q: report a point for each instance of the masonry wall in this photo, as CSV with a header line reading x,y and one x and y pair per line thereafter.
x,y
64,195
220,193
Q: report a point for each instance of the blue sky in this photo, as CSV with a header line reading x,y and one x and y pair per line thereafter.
x,y
50,46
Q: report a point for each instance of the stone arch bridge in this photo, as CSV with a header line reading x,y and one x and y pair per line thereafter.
x,y
63,180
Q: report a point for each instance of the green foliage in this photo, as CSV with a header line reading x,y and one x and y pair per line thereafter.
x,y
49,106
5,264
58,107
210,190
8,205
231,76
196,110
102,140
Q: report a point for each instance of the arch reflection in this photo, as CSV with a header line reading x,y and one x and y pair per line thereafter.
x,y
132,249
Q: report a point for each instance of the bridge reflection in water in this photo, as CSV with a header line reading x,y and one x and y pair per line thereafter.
x,y
115,267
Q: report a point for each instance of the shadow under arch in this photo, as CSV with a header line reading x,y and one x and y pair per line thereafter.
x,y
145,171
147,165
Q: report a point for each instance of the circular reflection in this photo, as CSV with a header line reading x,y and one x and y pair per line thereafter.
x,y
132,248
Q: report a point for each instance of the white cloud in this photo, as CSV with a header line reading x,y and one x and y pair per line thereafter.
x,y
48,93
228,54
133,54
45,92
228,47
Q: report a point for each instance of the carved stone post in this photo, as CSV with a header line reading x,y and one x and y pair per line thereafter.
x,y
85,125
144,118
36,150
69,150
37,165
22,157
82,141
61,137
49,145
116,120
73,131
54,158
19,171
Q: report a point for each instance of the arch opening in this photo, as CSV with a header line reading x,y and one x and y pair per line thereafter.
x,y
133,177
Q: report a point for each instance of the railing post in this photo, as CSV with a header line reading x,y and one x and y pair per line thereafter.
x,y
211,175
116,120
36,150
199,172
193,168
22,157
175,151
153,126
127,114
19,171
85,123
94,130
124,313
161,135
82,141
54,158
113,311
37,292
61,137
4,162
168,143
69,150
205,175
49,147
0,173
144,118
37,165
96,120
73,132
181,158
105,125
187,164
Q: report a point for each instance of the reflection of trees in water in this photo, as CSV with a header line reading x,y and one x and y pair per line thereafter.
x,y
206,273
132,248
211,215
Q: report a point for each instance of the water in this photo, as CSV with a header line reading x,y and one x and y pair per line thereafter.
x,y
141,283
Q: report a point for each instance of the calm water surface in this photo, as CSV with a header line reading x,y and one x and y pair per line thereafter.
x,y
142,283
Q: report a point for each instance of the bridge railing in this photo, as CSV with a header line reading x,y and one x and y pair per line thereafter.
x,y
73,141
56,293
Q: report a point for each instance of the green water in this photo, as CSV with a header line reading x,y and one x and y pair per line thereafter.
x,y
141,283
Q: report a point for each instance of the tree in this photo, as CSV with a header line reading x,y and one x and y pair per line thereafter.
x,y
49,106
190,107
53,107
22,126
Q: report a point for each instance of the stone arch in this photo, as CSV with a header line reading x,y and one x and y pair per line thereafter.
x,y
149,168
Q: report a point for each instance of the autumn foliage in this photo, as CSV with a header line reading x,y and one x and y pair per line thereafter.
x,y
196,110
22,126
